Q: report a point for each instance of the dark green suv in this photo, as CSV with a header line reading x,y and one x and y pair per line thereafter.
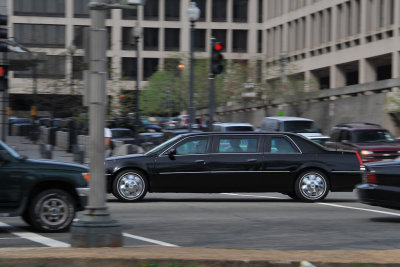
x,y
46,194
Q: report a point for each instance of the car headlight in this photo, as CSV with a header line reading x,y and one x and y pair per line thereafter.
x,y
366,152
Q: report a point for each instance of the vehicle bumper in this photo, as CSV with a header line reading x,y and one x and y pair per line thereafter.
x,y
379,195
83,194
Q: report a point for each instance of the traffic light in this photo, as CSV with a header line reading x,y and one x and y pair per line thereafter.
x,y
217,58
3,77
3,34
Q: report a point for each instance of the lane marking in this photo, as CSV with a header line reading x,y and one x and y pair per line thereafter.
x,y
34,237
321,203
161,243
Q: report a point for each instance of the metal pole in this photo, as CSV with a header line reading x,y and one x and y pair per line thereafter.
x,y
211,92
191,78
137,117
96,229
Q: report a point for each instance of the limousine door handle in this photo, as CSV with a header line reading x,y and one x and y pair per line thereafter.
x,y
200,161
251,160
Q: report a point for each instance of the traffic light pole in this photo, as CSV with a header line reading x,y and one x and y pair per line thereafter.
x,y
211,77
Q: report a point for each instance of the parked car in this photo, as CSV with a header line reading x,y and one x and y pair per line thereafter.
x,y
127,136
233,127
149,126
184,122
381,186
303,126
46,194
234,162
373,142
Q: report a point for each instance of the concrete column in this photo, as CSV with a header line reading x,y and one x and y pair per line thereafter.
x,y
334,25
308,31
229,10
208,11
363,20
395,65
354,18
337,77
184,33
367,72
252,33
284,37
374,15
309,81
386,13
161,5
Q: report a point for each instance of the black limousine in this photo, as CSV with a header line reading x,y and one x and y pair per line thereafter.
x,y
235,162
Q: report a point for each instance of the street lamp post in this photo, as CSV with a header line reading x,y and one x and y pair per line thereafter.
x,y
193,14
137,32
71,51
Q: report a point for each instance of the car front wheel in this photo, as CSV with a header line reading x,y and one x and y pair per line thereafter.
x,y
311,186
51,211
130,186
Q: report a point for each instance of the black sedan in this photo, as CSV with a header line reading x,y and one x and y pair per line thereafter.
x,y
381,185
235,162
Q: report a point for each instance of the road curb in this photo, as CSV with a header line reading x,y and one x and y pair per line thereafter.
x,y
185,257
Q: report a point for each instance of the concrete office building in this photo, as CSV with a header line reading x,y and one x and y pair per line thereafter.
x,y
339,43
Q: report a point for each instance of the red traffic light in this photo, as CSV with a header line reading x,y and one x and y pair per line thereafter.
x,y
2,71
218,47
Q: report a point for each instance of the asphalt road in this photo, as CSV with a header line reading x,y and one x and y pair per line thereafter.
x,y
242,221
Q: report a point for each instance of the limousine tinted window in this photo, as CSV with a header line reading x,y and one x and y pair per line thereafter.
x,y
237,145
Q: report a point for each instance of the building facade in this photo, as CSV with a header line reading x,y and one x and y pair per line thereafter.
x,y
337,43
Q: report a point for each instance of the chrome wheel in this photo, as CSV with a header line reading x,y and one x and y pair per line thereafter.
x,y
312,186
130,186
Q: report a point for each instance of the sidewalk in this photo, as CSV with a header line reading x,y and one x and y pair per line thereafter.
x,y
26,147
177,257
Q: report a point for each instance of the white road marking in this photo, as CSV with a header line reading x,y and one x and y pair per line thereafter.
x,y
34,237
161,243
321,203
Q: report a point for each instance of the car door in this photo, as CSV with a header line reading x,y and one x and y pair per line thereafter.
x,y
11,181
282,158
183,168
236,162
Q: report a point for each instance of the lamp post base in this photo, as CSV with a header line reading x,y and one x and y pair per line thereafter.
x,y
95,230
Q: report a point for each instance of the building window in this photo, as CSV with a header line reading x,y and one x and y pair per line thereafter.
x,y
259,41
128,41
129,14
201,4
79,35
219,35
150,39
200,40
78,66
40,35
129,68
41,8
172,10
53,67
239,42
219,10
150,10
150,65
171,40
239,10
260,11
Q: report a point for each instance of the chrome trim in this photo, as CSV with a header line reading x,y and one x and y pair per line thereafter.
x,y
346,171
223,172
83,191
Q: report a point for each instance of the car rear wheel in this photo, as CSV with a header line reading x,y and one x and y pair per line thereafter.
x,y
130,186
311,186
51,211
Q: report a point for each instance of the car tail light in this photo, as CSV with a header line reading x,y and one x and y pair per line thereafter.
x,y
370,178
185,122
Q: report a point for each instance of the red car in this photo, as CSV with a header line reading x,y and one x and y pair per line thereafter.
x,y
371,141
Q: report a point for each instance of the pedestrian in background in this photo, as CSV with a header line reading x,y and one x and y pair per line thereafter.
x,y
107,142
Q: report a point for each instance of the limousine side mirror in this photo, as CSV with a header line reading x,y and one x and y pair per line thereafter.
x,y
346,142
171,153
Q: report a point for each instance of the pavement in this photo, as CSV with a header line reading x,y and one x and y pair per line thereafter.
x,y
153,256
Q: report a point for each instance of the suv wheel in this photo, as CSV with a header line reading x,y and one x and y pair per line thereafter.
x,y
51,210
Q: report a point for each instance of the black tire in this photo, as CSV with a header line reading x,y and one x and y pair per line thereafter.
x,y
311,186
130,186
52,210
